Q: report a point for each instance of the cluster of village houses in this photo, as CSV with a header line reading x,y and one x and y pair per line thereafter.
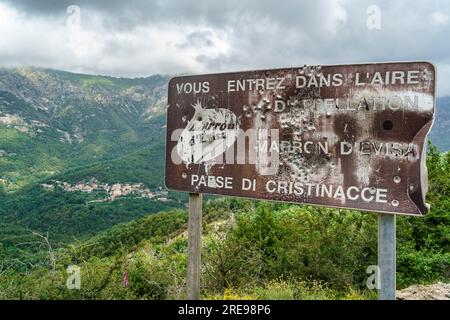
x,y
113,191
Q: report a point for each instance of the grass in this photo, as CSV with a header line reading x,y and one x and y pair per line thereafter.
x,y
280,289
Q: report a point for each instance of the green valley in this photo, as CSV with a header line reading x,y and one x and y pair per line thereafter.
x,y
81,184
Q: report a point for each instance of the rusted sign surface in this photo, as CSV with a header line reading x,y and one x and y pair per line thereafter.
x,y
347,136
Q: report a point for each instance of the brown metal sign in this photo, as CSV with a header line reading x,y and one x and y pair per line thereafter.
x,y
346,136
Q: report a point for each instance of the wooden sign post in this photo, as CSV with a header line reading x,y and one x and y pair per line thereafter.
x,y
342,136
194,246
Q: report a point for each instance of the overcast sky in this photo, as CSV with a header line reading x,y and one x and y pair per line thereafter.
x,y
139,38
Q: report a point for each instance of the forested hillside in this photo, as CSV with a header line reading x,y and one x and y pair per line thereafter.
x,y
252,250
53,121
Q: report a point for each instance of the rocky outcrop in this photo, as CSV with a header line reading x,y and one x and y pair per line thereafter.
x,y
438,291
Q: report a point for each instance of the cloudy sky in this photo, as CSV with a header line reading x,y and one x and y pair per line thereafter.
x,y
138,38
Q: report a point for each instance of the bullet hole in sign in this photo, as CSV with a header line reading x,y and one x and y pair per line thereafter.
x,y
388,125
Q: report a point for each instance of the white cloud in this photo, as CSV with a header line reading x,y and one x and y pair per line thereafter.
x,y
439,17
28,40
175,36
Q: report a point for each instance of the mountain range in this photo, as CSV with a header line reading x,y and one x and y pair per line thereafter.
x,y
79,153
